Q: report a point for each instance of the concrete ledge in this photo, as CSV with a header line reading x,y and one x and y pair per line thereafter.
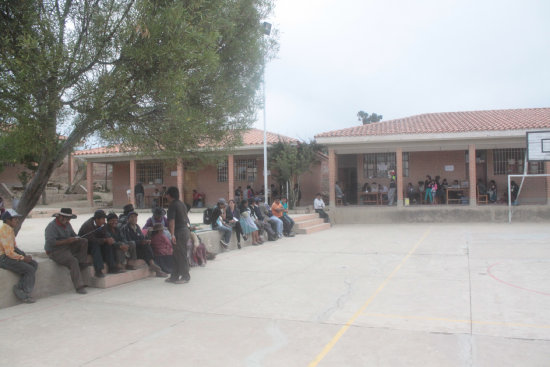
x,y
439,214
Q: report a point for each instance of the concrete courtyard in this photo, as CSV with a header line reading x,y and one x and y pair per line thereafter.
x,y
355,295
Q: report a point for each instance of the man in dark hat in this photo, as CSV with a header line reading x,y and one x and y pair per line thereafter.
x,y
159,216
124,216
123,249
100,246
15,260
64,247
132,232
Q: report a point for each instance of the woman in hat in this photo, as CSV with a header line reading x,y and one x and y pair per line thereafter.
x,y
162,248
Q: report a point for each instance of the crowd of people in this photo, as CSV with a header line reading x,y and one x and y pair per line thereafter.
x,y
251,218
167,244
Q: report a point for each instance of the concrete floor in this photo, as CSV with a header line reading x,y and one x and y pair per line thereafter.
x,y
355,295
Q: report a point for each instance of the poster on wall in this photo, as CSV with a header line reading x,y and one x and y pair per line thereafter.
x,y
449,168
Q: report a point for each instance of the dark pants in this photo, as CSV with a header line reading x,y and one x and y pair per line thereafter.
x,y
323,215
72,256
101,252
144,252
26,270
288,223
238,231
181,264
121,255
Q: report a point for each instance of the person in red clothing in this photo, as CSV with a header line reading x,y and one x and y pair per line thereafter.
x,y
162,248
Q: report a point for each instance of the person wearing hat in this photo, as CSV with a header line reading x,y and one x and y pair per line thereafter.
x,y
64,247
13,259
100,246
132,232
124,250
178,225
123,219
159,216
162,248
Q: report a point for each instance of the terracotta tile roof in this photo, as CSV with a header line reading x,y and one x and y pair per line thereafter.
x,y
251,137
452,122
256,137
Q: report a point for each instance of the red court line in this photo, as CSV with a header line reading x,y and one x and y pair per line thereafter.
x,y
510,284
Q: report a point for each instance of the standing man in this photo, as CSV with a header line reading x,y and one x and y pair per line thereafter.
x,y
12,258
64,247
139,193
179,231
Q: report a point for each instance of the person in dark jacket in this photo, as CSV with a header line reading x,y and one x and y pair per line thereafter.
x,y
123,249
132,232
100,246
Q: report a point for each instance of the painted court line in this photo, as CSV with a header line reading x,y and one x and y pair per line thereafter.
x,y
458,321
347,325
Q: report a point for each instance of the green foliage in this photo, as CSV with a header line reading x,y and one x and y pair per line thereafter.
x,y
367,119
287,161
169,76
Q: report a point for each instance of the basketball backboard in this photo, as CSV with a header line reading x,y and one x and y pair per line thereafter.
x,y
538,146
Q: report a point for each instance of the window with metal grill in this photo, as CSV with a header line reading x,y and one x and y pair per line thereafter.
x,y
378,165
150,172
222,172
510,161
245,170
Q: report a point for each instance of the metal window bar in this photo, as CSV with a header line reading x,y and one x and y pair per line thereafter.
x,y
377,165
246,170
150,172
511,161
222,172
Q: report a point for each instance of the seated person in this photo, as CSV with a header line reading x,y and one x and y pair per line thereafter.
x,y
100,246
286,218
2,208
247,223
125,251
218,223
277,211
123,218
197,198
340,193
481,188
14,259
492,191
412,193
233,220
64,247
159,216
374,187
132,232
514,191
261,221
319,206
276,223
162,248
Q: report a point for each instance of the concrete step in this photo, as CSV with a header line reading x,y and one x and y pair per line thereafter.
x,y
313,229
305,217
309,223
112,280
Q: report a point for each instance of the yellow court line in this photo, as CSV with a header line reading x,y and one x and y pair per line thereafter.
x,y
458,321
347,325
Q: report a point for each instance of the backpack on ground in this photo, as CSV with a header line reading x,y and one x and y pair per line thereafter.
x,y
207,216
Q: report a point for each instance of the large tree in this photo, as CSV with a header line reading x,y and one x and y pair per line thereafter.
x,y
159,75
289,160
365,118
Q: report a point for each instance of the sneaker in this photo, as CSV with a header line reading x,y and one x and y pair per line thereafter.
x,y
19,293
29,299
245,237
181,281
239,245
170,280
81,290
224,244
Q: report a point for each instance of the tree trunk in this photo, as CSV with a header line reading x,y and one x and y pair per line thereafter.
x,y
79,176
34,189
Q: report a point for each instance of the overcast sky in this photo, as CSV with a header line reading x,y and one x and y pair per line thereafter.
x,y
403,57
